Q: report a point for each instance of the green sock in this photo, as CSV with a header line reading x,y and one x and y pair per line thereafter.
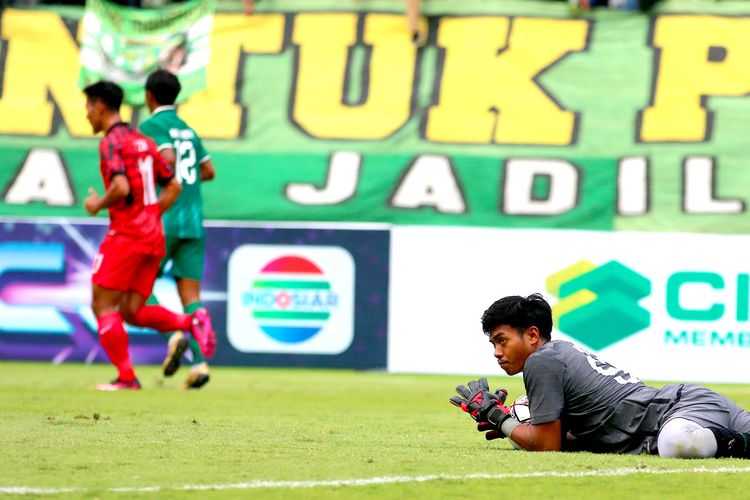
x,y
198,356
153,301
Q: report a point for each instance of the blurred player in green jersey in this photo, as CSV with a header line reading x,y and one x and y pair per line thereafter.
x,y
183,224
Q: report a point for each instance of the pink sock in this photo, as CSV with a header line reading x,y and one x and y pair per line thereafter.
x,y
114,340
162,319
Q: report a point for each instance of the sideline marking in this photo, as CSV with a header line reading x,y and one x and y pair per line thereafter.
x,y
23,490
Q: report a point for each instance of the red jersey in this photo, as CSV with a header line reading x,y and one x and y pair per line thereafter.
x,y
125,151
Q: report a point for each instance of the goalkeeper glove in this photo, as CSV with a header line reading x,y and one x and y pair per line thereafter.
x,y
499,422
492,432
486,407
481,404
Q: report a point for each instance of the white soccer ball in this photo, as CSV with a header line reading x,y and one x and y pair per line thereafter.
x,y
520,409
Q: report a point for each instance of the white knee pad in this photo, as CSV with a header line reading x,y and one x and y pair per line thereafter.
x,y
681,438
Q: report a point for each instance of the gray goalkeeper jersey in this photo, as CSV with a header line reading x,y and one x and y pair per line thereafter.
x,y
606,409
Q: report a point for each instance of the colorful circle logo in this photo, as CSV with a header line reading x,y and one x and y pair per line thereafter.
x,y
290,299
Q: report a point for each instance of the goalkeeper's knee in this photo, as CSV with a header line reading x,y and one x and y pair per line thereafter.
x,y
682,438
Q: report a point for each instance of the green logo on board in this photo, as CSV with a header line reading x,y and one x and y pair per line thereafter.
x,y
598,306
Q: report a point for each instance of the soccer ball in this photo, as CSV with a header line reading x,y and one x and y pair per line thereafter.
x,y
520,409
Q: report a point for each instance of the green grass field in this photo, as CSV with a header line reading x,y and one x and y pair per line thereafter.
x,y
276,433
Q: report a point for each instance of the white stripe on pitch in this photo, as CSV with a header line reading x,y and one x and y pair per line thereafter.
x,y
23,490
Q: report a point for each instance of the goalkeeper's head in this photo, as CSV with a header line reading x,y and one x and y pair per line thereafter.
x,y
517,326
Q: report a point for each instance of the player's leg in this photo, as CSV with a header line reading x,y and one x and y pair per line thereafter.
x,y
187,269
108,281
706,411
189,290
113,338
177,344
682,438
135,311
133,306
734,439
739,418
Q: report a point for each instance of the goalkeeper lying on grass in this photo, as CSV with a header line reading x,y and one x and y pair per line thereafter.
x,y
581,403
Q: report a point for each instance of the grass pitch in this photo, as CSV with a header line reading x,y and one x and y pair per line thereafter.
x,y
275,433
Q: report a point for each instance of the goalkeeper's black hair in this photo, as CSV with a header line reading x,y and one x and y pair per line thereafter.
x,y
164,86
521,313
107,92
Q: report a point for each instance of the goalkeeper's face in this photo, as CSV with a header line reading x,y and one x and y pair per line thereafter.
x,y
513,346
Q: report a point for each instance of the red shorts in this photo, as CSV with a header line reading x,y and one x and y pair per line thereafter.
x,y
119,266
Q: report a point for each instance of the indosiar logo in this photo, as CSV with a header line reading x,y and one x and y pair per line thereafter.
x,y
598,306
290,299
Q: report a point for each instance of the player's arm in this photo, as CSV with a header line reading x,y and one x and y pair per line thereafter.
x,y
538,437
208,172
164,173
543,379
161,138
168,194
169,156
118,189
493,417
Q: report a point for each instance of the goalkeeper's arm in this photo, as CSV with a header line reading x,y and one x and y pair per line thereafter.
x,y
538,437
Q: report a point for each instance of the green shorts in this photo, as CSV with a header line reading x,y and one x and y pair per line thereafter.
x,y
186,255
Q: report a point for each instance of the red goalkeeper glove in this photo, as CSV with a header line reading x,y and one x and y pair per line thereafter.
x,y
492,432
481,404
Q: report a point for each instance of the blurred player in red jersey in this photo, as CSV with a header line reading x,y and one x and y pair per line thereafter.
x,y
126,266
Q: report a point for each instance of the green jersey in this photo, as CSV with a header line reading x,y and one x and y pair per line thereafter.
x,y
185,218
